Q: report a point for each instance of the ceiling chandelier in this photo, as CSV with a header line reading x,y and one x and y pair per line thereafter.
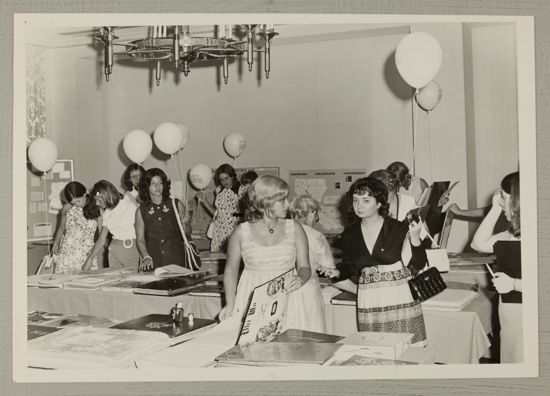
x,y
170,44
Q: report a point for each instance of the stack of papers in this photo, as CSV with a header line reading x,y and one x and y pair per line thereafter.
x,y
91,347
450,300
92,282
377,345
294,335
51,280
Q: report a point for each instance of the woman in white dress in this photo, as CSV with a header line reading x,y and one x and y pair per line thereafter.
x,y
270,245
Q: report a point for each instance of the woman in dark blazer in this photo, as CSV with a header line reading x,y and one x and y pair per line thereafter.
x,y
380,254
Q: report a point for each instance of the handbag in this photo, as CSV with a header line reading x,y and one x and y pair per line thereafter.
x,y
210,229
426,284
192,256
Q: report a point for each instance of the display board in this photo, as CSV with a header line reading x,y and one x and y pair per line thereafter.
x,y
329,188
200,218
45,199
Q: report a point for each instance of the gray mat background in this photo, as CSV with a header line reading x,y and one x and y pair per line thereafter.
x,y
539,8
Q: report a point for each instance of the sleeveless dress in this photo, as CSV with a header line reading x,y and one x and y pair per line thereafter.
x,y
162,234
263,263
225,221
77,242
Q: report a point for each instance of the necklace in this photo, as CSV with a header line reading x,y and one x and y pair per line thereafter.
x,y
271,228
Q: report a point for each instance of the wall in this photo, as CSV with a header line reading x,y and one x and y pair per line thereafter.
x,y
332,101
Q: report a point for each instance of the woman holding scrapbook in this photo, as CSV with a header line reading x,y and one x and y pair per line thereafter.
x,y
270,245
118,219
507,247
80,219
159,238
225,209
379,253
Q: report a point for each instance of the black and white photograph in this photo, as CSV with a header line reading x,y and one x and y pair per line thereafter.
x,y
169,164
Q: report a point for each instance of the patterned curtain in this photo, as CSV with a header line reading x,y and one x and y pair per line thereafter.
x,y
36,92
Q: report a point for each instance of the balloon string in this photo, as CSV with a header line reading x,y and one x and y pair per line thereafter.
x,y
430,146
46,211
414,132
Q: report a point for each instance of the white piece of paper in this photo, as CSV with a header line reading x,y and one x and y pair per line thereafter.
x,y
346,285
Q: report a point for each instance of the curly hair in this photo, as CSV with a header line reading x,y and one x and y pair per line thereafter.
x,y
302,205
145,182
388,178
373,187
262,195
400,170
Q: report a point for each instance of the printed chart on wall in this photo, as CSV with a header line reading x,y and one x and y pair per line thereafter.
x,y
328,187
200,217
45,200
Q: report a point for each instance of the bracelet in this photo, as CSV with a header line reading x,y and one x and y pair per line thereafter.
x,y
147,257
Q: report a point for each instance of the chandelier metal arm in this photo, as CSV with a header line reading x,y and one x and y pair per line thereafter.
x,y
184,49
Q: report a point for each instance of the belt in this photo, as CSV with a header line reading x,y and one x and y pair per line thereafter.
x,y
127,243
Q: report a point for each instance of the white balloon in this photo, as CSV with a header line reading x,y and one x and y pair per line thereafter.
x,y
168,137
200,176
137,145
234,144
42,154
429,96
185,136
418,58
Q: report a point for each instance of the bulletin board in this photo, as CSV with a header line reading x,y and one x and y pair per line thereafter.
x,y
200,218
329,188
43,207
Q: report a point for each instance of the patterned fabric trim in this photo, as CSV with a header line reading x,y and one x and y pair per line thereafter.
x,y
371,275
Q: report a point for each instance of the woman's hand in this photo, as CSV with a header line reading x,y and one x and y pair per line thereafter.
x,y
503,283
55,248
146,264
415,227
497,199
226,313
87,265
330,272
295,283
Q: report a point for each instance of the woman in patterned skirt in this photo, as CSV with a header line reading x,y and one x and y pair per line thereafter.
x,y
379,253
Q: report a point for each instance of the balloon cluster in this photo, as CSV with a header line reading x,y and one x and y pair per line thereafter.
x,y
418,59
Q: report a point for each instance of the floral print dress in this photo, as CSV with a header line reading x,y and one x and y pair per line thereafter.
x,y
225,221
77,242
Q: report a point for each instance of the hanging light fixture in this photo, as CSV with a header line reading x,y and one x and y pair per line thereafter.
x,y
179,46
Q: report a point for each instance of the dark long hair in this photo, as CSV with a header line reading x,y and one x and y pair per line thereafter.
x,y
373,187
126,182
145,182
77,190
229,171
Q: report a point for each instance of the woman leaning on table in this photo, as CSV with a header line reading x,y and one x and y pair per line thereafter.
x,y
118,219
380,253
507,282
270,245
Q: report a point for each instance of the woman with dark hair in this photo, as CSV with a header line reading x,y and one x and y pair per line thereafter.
x,y
118,219
270,245
159,238
400,204
507,246
225,210
380,253
74,238
130,180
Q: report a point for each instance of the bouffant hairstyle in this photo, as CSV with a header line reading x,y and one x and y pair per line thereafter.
x,y
374,188
262,195
400,170
145,182
388,178
126,182
302,205
229,171
109,192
